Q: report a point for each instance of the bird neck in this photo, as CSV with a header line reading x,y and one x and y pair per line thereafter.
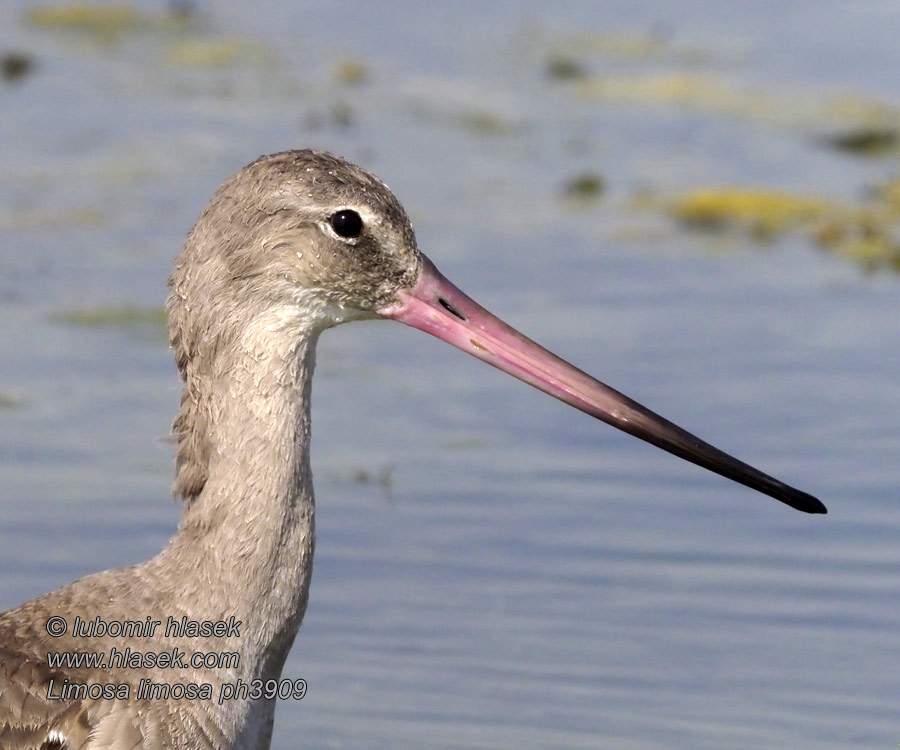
x,y
244,548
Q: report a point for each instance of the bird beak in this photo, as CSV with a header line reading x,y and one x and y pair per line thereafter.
x,y
436,306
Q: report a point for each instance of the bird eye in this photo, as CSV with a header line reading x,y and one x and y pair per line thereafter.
x,y
346,223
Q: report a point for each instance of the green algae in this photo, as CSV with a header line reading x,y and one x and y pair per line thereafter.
x,y
9,402
584,187
866,233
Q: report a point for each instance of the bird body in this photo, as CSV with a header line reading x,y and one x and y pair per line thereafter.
x,y
291,245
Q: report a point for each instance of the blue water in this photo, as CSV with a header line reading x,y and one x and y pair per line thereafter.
x,y
493,569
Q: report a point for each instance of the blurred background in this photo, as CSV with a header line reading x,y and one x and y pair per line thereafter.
x,y
698,202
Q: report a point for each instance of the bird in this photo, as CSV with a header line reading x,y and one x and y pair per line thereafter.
x,y
292,244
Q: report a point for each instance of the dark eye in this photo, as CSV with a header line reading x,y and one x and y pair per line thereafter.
x,y
347,223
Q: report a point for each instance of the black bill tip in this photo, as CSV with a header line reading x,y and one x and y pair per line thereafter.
x,y
798,500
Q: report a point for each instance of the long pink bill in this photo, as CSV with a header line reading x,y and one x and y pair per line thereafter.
x,y
436,306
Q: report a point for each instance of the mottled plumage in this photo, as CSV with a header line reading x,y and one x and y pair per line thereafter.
x,y
259,277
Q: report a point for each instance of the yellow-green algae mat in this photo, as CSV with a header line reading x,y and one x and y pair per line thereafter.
x,y
185,43
867,233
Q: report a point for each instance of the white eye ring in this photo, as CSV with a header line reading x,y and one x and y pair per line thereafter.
x,y
328,230
345,224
